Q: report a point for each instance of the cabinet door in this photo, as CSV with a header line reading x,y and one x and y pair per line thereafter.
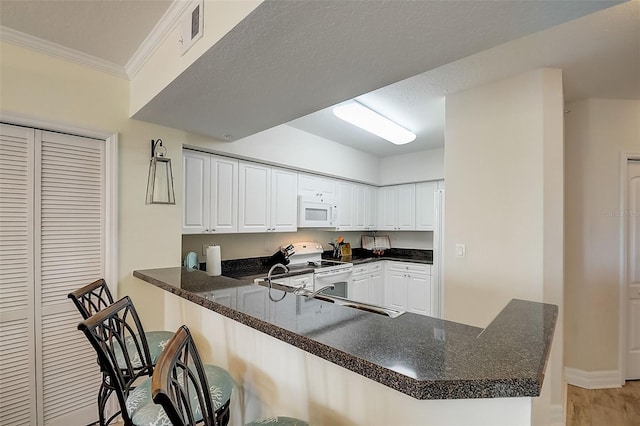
x,y
396,290
345,206
316,186
252,300
358,289
284,202
387,206
406,219
224,195
425,205
371,208
196,190
419,294
254,197
376,288
360,207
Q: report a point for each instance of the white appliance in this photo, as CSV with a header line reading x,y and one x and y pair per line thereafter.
x,y
316,213
325,272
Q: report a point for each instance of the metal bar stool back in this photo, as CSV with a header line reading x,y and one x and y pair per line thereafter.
x,y
92,298
189,391
117,336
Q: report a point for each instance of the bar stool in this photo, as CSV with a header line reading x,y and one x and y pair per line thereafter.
x,y
179,383
116,335
188,391
96,296
92,299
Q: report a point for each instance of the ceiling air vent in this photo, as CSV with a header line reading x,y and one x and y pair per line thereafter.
x,y
192,24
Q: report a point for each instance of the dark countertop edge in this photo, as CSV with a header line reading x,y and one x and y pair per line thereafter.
x,y
471,388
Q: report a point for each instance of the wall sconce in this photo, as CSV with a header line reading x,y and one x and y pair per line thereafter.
x,y
160,181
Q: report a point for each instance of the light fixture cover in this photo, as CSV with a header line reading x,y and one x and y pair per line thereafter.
x,y
359,115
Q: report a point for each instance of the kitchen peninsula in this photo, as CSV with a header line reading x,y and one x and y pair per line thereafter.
x,y
334,364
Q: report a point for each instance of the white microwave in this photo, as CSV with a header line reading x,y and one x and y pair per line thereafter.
x,y
316,213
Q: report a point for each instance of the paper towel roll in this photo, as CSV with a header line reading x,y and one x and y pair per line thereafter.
x,y
213,261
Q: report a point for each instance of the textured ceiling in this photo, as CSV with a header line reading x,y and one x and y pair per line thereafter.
x,y
288,59
110,30
598,53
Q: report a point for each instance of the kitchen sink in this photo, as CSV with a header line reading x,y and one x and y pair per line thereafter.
x,y
380,310
391,313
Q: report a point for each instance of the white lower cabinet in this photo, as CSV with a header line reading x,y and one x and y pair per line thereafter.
x,y
408,287
367,284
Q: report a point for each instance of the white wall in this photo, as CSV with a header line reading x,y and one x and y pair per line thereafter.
x,y
503,171
414,167
287,146
167,62
597,132
51,89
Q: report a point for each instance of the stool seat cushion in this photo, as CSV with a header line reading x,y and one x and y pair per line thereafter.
x,y
143,411
282,421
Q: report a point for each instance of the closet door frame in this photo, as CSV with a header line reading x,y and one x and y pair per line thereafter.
x,y
110,186
111,180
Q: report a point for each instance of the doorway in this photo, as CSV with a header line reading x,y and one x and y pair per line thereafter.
x,y
632,286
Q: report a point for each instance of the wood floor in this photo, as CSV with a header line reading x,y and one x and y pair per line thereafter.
x,y
604,407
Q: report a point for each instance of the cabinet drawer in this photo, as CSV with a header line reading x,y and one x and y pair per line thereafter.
x,y
305,281
414,268
375,267
358,270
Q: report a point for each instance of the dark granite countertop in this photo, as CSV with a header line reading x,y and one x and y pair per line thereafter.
x,y
424,357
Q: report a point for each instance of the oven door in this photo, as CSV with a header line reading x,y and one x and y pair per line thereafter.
x,y
340,280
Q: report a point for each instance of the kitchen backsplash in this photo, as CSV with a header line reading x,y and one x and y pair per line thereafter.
x,y
239,246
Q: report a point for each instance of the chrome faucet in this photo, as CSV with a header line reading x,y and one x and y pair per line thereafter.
x,y
274,267
304,292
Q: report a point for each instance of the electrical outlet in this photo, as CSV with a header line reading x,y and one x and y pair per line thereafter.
x,y
204,249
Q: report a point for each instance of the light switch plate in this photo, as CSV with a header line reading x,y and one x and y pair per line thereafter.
x,y
460,250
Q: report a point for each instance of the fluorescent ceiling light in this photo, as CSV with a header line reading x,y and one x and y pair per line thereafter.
x,y
359,115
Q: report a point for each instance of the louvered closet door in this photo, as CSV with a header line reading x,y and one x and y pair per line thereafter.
x,y
17,354
71,239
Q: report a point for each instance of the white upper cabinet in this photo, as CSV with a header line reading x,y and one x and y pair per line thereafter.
x,y
196,168
425,205
284,203
316,186
365,207
224,195
397,207
210,193
254,199
345,202
406,207
267,199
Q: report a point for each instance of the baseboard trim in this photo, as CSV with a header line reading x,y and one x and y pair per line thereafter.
x,y
602,379
556,415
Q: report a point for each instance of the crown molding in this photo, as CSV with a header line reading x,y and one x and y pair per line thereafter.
x,y
156,37
53,49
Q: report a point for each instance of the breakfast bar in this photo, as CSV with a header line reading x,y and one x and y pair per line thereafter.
x,y
414,357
